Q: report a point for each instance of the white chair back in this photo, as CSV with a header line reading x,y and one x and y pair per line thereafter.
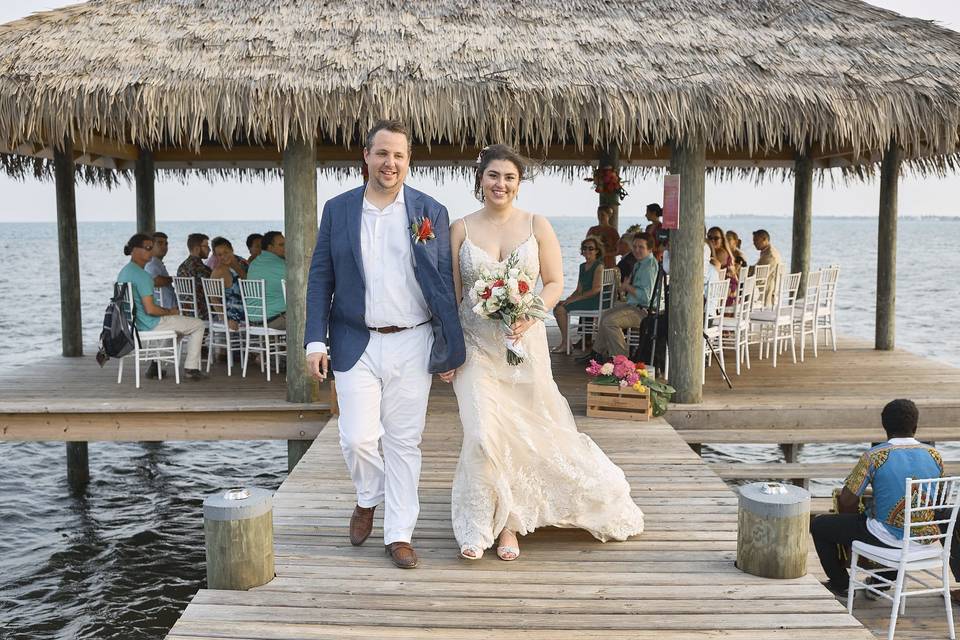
x,y
127,305
608,289
774,283
811,294
186,290
744,303
283,285
930,500
788,294
253,294
213,293
761,272
716,299
828,289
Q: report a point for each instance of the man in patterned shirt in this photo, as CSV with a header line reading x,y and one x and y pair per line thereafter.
x,y
198,245
885,467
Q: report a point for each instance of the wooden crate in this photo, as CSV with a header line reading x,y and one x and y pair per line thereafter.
x,y
607,401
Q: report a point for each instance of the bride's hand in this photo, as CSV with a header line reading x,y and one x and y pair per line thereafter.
x,y
447,376
518,328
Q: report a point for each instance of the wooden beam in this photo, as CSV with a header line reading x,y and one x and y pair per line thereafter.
x,y
686,275
885,338
71,324
802,217
134,426
300,229
145,176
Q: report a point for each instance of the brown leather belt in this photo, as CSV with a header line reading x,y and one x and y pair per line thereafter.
x,y
395,329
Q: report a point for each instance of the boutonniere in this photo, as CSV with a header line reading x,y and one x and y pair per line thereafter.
x,y
421,230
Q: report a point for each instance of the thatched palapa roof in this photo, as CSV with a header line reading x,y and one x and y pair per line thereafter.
x,y
225,82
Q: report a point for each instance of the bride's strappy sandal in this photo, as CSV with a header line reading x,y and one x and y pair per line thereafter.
x,y
505,552
477,551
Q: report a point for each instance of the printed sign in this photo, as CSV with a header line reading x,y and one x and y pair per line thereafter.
x,y
671,201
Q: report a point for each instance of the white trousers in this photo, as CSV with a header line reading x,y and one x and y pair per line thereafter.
x,y
186,327
383,399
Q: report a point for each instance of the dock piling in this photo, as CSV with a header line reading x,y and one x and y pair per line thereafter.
x,y
78,465
772,526
238,529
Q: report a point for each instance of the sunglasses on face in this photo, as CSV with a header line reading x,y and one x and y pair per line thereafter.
x,y
147,247
714,237
587,247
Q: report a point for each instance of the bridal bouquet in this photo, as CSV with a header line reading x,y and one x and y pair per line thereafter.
x,y
623,372
506,294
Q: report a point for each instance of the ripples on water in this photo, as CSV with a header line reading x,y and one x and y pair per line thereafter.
x,y
123,560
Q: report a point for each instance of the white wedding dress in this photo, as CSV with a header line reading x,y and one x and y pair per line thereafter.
x,y
523,464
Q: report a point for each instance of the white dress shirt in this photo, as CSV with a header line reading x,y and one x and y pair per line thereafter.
x,y
392,294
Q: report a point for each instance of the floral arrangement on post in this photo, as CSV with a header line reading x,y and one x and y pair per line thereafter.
x,y
506,294
606,180
623,372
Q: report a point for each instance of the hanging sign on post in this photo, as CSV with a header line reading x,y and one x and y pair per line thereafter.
x,y
671,201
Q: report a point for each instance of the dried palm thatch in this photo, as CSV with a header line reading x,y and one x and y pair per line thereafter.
x,y
832,76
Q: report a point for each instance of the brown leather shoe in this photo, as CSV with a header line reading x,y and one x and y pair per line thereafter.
x,y
402,555
361,524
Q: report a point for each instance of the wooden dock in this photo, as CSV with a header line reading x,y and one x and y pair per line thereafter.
x,y
675,581
73,399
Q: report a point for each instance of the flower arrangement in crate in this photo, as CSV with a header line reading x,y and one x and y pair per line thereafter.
x,y
627,376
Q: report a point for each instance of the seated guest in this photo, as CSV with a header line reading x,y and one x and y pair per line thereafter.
x,y
198,245
230,268
653,215
151,317
768,255
734,242
156,268
271,267
608,235
639,289
628,259
254,241
718,243
586,297
885,467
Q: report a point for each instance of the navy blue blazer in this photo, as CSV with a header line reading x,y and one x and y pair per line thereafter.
x,y
335,289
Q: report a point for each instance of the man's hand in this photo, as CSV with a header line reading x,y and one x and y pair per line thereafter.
x,y
317,366
447,376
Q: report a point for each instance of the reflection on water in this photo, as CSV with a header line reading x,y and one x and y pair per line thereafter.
x,y
123,560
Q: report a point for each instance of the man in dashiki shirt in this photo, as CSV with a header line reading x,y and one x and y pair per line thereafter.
x,y
885,467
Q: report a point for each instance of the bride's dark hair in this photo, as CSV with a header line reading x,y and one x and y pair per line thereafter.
x,y
497,152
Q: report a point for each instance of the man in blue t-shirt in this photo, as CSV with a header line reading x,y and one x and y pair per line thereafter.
x,y
152,317
885,467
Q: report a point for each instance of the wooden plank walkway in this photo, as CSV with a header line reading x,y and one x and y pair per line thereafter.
x,y
73,399
675,581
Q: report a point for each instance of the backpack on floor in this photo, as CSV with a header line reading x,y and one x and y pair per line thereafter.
x,y
118,334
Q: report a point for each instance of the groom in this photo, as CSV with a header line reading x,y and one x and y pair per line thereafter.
x,y
381,288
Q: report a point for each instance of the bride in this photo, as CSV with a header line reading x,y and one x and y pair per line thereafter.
x,y
522,465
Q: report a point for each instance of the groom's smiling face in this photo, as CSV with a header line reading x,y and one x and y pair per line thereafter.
x,y
388,159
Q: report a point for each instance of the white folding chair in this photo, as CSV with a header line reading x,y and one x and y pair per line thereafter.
x,y
269,342
826,305
805,313
218,325
761,272
156,346
776,325
739,323
588,321
932,502
283,285
186,290
713,307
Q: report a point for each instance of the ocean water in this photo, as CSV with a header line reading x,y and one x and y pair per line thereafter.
x,y
122,560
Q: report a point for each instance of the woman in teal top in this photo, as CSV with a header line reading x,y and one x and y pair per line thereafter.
x,y
586,297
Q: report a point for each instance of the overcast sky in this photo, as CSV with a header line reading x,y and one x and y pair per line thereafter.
x,y
549,195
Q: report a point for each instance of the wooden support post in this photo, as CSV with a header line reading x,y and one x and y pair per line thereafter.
x,y
71,324
145,175
686,275
887,249
791,453
78,465
300,229
295,451
610,157
238,530
802,218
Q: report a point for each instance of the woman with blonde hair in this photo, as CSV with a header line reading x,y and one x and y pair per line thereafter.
x,y
734,243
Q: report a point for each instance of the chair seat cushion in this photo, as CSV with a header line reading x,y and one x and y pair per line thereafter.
x,y
891,557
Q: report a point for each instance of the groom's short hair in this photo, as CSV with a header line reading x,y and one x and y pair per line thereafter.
x,y
393,126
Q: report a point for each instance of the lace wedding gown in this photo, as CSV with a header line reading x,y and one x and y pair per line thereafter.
x,y
523,464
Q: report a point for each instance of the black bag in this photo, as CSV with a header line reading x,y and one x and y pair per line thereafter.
x,y
652,346
118,334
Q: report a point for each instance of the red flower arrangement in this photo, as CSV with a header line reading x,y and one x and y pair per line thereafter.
x,y
606,180
422,230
